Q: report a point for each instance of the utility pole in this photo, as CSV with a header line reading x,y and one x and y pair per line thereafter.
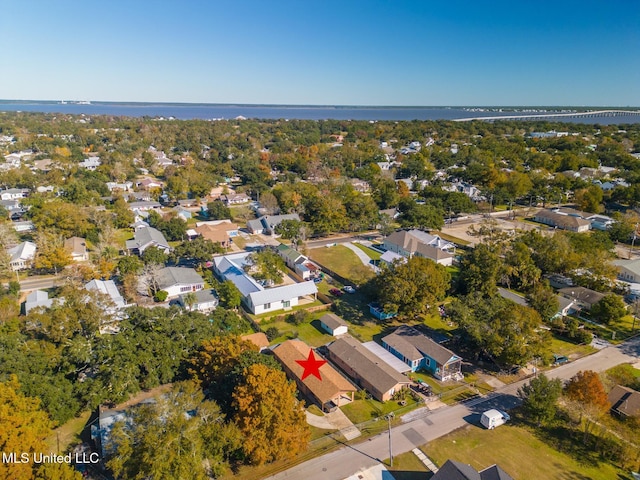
x,y
389,417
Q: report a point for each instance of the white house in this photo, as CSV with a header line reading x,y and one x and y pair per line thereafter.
x,y
77,248
21,256
108,288
37,298
178,280
14,193
256,298
204,301
333,324
90,163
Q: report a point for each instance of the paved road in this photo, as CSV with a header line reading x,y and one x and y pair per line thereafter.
x,y
38,282
364,258
349,459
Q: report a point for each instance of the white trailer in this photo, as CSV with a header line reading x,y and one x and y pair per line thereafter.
x,y
494,418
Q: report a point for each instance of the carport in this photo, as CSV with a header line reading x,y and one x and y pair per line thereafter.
x,y
387,357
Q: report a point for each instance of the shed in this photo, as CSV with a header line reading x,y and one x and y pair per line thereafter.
x,y
333,324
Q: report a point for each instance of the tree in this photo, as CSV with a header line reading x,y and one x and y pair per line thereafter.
x,y
269,202
266,265
171,437
154,256
269,415
217,210
610,309
229,295
24,429
217,357
503,331
544,301
480,268
289,229
129,264
411,287
587,389
51,254
199,249
540,398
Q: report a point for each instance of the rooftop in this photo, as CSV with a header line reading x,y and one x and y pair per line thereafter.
x,y
414,345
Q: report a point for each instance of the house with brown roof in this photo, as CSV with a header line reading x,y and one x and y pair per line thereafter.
x,y
420,352
259,339
625,402
77,248
220,232
409,243
563,221
366,369
328,393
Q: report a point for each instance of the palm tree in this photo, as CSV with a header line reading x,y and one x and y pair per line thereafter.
x,y
190,300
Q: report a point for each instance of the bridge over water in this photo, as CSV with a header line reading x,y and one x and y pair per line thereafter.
x,y
568,115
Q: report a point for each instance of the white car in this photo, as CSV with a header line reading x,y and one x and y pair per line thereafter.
x,y
349,289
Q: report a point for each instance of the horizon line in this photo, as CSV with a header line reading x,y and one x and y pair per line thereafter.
x,y
309,105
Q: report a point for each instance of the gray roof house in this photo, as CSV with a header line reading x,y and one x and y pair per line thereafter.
x,y
179,280
583,297
420,352
37,298
145,238
333,324
107,287
453,470
21,256
205,301
366,369
267,223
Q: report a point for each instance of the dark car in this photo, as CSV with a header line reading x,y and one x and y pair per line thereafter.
x,y
336,292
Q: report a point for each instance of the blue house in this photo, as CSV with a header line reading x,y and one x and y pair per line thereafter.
x,y
421,353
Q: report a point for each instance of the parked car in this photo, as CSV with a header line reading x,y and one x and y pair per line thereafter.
x,y
560,360
349,289
336,292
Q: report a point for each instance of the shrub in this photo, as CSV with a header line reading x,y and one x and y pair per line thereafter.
x,y
160,296
272,333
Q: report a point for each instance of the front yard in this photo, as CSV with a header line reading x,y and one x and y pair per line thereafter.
x,y
342,261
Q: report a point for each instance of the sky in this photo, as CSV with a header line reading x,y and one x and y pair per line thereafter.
x,y
328,52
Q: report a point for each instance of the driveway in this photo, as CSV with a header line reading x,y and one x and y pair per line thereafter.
x,y
364,258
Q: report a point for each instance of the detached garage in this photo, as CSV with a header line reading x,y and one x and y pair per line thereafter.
x,y
333,324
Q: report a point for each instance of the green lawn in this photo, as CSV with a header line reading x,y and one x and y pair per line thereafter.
x,y
518,451
373,254
408,467
559,346
342,261
360,411
309,332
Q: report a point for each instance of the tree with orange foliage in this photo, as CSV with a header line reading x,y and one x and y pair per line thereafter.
x,y
269,415
24,430
587,395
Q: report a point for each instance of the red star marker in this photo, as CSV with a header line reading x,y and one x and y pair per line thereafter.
x,y
311,366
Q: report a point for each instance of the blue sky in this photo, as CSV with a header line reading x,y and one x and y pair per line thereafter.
x,y
349,52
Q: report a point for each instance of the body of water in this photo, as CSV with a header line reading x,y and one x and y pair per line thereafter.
x,y
220,111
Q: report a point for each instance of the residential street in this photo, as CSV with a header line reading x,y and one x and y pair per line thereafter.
x,y
349,459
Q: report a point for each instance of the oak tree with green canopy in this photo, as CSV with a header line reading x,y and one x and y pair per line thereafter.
x,y
411,287
180,436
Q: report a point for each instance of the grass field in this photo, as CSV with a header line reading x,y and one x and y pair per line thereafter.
x,y
360,411
518,451
559,346
408,467
67,434
309,332
342,261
